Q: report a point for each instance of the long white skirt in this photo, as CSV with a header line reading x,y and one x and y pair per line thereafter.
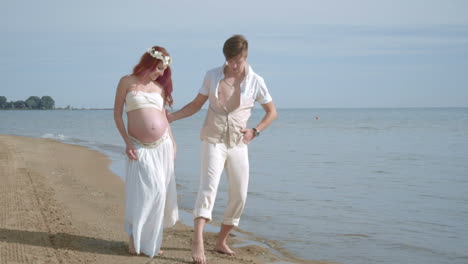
x,y
150,194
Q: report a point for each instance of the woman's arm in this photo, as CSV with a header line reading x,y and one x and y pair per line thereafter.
x,y
118,111
173,140
170,133
165,112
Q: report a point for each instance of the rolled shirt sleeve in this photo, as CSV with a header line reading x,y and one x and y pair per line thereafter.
x,y
205,88
262,96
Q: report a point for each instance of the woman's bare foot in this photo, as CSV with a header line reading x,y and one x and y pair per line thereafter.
x,y
198,252
224,249
132,251
131,247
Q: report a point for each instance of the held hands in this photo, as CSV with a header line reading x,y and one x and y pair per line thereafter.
x,y
248,135
131,152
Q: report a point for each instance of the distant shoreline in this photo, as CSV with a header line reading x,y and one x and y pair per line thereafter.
x,y
72,109
279,108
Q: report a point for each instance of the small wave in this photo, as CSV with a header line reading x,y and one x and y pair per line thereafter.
x,y
77,141
103,148
367,128
355,235
111,148
407,246
259,194
326,187
381,172
54,136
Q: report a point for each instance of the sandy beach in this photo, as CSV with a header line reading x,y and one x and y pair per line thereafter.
x,y
60,203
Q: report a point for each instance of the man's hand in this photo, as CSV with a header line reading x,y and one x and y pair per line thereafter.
x,y
169,116
248,135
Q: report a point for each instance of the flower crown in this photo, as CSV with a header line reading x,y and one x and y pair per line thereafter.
x,y
158,55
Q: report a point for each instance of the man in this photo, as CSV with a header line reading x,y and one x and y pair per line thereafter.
x,y
232,90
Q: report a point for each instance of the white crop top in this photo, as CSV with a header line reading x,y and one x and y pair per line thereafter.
x,y
138,100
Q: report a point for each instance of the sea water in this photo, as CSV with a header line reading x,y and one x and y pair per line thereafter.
x,y
346,185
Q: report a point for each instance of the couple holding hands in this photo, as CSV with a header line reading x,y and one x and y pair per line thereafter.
x,y
150,188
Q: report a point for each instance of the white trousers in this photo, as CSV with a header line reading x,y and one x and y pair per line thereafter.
x,y
150,194
214,159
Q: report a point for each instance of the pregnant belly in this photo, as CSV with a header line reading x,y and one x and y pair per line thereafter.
x,y
147,125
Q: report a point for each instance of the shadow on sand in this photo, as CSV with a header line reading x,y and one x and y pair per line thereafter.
x,y
75,242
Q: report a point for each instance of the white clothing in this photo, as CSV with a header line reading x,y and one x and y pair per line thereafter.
x,y
138,99
150,194
253,87
220,125
216,157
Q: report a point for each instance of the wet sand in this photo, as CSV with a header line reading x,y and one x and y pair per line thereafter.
x,y
60,203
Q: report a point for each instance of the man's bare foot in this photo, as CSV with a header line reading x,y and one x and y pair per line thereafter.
x,y
198,252
224,249
160,253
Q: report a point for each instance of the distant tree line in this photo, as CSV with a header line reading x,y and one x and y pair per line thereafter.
x,y
33,102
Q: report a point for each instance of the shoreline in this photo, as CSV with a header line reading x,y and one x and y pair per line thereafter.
x,y
63,204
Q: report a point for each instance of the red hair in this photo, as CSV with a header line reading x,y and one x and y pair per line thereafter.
x,y
149,63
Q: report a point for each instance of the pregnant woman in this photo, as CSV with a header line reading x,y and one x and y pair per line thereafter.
x,y
150,189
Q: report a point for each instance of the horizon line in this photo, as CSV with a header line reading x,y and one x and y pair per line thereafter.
x,y
285,108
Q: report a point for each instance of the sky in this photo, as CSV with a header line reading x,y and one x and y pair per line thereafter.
x,y
312,54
